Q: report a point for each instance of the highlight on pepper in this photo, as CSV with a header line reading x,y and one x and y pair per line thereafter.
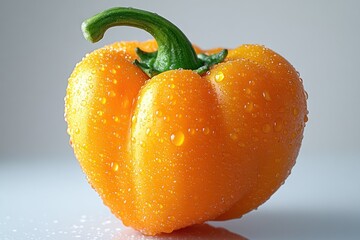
x,y
170,135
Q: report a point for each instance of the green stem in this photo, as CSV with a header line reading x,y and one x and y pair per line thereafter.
x,y
174,49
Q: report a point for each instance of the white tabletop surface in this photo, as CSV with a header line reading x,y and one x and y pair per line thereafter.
x,y
50,199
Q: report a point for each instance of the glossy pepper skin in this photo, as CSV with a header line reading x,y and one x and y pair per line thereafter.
x,y
204,137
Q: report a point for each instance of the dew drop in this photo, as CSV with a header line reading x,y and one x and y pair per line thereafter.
x,y
102,100
100,113
191,131
266,95
113,71
133,119
206,130
219,77
116,118
166,118
172,86
147,132
277,127
177,138
111,94
306,95
306,118
158,113
103,121
77,130
114,166
249,106
115,81
247,90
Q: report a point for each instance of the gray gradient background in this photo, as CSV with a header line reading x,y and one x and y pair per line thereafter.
x,y
40,42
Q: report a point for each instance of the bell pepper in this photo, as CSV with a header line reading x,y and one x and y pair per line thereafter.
x,y
170,135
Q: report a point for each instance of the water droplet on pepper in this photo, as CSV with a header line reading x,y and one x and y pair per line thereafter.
x,y
219,77
177,138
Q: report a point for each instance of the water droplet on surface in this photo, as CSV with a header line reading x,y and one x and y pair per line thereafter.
x,y
102,100
116,119
247,90
111,94
177,138
172,86
219,77
158,113
266,95
77,130
191,131
147,132
114,166
100,113
133,119
113,71
166,118
115,81
206,130
306,95
277,127
249,106
306,118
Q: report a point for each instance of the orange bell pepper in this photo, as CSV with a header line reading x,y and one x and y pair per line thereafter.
x,y
170,136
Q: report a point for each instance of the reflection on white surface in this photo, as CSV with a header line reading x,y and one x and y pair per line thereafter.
x,y
199,232
52,200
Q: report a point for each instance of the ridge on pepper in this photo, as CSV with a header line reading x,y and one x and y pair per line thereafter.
x,y
170,135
